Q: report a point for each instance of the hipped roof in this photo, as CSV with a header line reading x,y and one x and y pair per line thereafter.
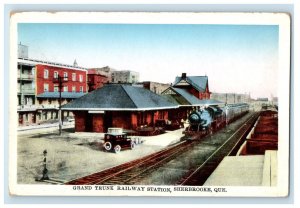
x,y
120,97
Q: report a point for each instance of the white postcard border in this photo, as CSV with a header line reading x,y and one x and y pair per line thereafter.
x,y
280,19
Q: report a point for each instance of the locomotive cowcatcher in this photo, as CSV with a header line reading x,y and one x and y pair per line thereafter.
x,y
115,140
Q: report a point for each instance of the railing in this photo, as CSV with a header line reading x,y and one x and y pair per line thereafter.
x,y
47,106
27,90
35,107
26,76
27,107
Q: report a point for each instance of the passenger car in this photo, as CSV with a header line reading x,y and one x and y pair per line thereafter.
x,y
115,140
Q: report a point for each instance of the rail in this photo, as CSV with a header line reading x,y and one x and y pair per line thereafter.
x,y
200,174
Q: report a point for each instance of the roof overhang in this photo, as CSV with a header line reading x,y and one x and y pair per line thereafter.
x,y
91,110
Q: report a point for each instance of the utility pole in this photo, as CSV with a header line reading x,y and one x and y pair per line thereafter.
x,y
60,80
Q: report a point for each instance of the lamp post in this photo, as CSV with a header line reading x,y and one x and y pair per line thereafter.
x,y
45,170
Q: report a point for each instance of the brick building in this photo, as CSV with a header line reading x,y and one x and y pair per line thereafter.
x,y
75,79
96,79
105,71
195,85
38,93
118,105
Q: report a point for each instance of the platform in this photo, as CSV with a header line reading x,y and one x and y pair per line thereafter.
x,y
254,170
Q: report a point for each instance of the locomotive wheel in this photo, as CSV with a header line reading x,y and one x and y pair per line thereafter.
x,y
107,146
132,145
117,148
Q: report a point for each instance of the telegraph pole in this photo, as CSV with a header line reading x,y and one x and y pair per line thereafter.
x,y
60,81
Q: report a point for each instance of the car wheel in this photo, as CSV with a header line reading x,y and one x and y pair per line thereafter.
x,y
117,148
132,146
107,146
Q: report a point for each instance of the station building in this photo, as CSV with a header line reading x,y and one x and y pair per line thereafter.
x,y
134,107
195,85
118,105
189,93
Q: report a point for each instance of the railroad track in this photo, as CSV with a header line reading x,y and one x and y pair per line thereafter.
x,y
131,172
198,176
134,171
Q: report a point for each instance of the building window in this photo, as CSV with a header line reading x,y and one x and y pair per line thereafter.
x,y
73,76
66,76
73,89
65,88
55,88
80,78
46,73
81,89
46,87
55,74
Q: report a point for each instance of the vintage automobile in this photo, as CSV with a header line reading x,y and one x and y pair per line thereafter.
x,y
115,140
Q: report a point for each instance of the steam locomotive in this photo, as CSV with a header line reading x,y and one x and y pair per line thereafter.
x,y
211,118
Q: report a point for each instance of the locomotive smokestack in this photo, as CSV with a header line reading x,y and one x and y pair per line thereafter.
x,y
183,76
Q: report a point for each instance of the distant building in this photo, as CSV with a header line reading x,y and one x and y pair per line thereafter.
x,y
125,76
105,71
155,87
275,99
75,63
231,98
117,76
195,85
262,99
22,51
95,79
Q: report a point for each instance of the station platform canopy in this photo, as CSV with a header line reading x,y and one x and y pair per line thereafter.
x,y
182,97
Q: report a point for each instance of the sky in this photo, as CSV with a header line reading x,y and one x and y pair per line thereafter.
x,y
236,58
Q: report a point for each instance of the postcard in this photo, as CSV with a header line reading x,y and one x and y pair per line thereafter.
x,y
149,104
